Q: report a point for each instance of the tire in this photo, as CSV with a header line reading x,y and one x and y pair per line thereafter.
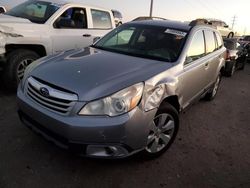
x,y
242,67
213,92
230,35
169,124
231,67
17,61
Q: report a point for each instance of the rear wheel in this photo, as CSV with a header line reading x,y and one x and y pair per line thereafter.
x,y
163,130
231,67
17,62
211,94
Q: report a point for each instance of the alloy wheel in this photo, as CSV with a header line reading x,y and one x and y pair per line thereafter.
x,y
21,68
161,133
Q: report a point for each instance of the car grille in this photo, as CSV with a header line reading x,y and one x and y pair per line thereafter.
x,y
53,99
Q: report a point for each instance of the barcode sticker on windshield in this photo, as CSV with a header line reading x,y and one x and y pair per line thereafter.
x,y
176,32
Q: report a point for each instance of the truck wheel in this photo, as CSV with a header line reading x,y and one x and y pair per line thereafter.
x,y
162,132
17,62
211,94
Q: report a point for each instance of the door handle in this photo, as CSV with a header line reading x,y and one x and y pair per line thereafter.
x,y
206,66
86,35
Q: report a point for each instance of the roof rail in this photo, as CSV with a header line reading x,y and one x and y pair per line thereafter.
x,y
199,22
142,18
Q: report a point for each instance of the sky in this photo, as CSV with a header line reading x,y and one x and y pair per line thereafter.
x,y
182,10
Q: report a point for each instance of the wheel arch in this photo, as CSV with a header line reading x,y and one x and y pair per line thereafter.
x,y
172,100
39,49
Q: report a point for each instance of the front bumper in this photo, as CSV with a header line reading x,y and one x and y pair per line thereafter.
x,y
105,137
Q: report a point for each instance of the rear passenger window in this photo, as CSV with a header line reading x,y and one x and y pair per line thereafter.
x,y
219,40
101,19
210,41
197,48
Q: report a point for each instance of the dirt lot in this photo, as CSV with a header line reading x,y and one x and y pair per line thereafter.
x,y
212,150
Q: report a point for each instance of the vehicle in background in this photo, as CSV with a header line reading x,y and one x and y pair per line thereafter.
x,y
244,40
123,94
2,9
35,29
247,49
235,57
142,18
117,17
221,26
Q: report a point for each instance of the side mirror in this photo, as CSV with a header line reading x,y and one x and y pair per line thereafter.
x,y
96,39
188,60
226,26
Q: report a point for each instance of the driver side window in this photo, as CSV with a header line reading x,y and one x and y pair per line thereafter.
x,y
73,18
196,49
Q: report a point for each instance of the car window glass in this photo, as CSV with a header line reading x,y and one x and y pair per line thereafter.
x,y
101,19
120,38
219,40
73,18
35,11
210,42
197,48
152,42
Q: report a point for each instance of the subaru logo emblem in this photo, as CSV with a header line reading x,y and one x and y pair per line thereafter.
x,y
44,92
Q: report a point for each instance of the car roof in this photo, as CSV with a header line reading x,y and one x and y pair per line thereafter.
x,y
164,23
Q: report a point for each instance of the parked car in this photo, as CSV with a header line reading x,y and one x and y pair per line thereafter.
x,y
123,95
117,17
2,9
221,26
245,40
143,18
35,29
235,58
247,49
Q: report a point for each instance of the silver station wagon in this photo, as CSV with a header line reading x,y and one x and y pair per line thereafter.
x,y
123,95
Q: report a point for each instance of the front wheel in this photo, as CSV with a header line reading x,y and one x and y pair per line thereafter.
x,y
17,62
163,130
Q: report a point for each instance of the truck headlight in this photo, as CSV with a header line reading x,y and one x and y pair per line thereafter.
x,y
116,104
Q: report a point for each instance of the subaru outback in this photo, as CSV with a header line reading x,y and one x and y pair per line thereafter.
x,y
123,94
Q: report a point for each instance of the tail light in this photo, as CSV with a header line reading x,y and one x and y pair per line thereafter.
x,y
228,56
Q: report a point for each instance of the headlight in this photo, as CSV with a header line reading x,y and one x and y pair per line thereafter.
x,y
116,104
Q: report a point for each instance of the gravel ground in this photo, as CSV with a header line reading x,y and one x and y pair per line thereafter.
x,y
212,149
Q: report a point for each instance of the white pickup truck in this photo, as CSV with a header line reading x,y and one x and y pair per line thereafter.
x,y
35,29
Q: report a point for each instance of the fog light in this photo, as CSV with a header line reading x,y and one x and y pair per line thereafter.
x,y
106,151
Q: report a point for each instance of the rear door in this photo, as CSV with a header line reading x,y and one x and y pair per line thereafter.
x,y
213,56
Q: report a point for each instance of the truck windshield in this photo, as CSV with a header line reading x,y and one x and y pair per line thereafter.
x,y
35,11
152,42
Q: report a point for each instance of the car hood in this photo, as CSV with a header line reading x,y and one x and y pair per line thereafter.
x,y
93,73
20,26
12,19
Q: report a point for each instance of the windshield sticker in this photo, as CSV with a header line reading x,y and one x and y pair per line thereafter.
x,y
176,32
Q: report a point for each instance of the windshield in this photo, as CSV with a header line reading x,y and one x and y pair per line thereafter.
x,y
35,11
152,42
